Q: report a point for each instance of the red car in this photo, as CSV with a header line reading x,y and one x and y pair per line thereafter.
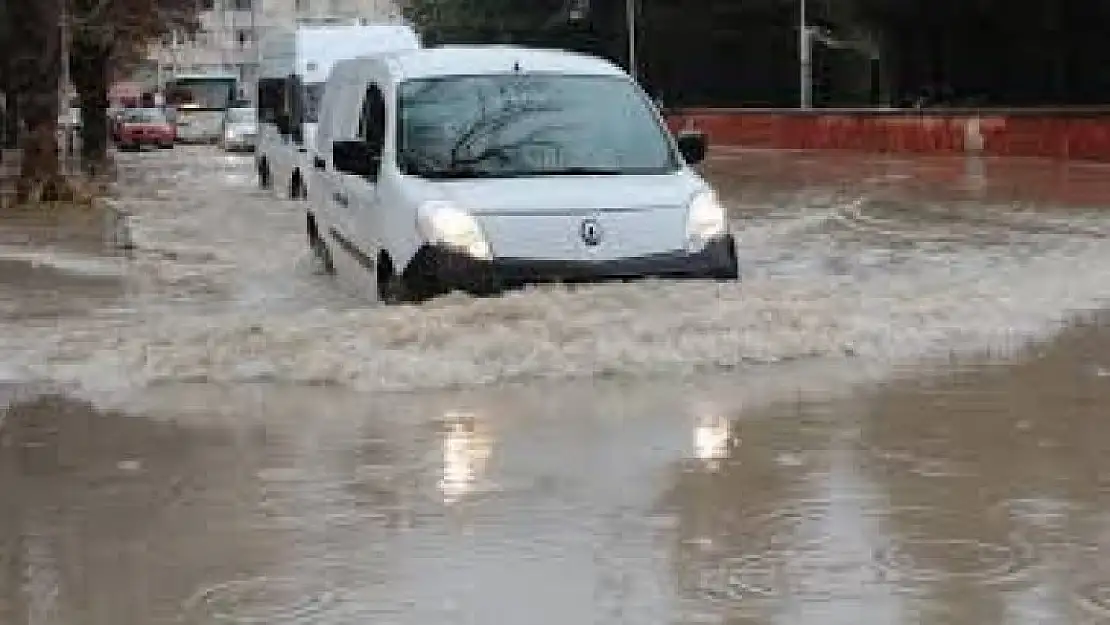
x,y
144,126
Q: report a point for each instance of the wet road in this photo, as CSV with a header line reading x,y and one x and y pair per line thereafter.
x,y
799,448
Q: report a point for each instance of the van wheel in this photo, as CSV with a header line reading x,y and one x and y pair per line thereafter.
x,y
263,174
392,289
395,288
319,248
297,189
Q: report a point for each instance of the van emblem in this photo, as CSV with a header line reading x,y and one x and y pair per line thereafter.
x,y
590,231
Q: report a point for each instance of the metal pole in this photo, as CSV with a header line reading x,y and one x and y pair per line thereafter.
x,y
63,93
805,83
630,16
223,37
251,91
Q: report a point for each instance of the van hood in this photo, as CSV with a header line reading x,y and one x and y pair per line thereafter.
x,y
243,128
542,218
567,194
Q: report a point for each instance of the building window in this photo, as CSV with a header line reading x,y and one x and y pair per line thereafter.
x,y
208,5
302,6
240,5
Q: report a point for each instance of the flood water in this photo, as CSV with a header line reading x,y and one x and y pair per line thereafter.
x,y
895,418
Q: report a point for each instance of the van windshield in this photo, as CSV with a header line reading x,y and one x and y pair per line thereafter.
x,y
313,94
513,125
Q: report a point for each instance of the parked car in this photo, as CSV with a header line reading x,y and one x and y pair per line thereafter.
x,y
479,168
240,130
115,117
145,126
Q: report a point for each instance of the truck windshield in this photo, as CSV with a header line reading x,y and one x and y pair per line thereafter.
x,y
211,94
529,125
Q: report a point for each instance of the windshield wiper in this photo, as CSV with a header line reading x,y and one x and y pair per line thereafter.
x,y
458,173
577,171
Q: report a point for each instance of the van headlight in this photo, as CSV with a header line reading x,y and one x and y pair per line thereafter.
x,y
445,224
706,219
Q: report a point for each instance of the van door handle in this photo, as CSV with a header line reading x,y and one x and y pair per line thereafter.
x,y
340,198
319,163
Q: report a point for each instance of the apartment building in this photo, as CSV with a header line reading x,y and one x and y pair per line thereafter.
x,y
230,30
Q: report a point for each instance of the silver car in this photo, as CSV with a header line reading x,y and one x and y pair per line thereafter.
x,y
240,130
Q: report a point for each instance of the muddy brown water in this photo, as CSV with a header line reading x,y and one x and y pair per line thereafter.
x,y
896,418
975,495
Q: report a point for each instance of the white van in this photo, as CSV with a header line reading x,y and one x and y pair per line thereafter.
x,y
477,168
294,65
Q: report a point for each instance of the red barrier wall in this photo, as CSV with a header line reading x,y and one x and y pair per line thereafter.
x,y
1053,134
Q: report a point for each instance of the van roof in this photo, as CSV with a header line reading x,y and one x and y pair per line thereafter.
x,y
470,60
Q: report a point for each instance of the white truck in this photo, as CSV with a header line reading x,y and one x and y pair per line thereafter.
x,y
294,66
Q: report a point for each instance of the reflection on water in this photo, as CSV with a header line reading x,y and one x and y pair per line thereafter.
x,y
712,438
973,497
970,497
465,453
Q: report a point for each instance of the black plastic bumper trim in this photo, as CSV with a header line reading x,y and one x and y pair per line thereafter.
x,y
450,269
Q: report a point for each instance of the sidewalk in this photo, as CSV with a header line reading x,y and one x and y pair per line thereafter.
x,y
9,172
743,172
77,227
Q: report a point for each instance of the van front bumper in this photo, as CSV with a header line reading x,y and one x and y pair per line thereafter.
x,y
450,270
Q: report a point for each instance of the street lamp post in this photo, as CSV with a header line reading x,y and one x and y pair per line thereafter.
x,y
805,82
63,92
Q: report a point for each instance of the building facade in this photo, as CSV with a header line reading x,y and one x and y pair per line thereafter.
x,y
227,41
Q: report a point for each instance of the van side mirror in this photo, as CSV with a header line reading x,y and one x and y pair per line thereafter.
x,y
693,145
355,157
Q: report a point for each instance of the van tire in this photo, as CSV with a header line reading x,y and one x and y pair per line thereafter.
x,y
297,190
263,174
395,288
392,289
319,247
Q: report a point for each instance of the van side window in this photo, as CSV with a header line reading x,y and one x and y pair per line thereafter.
x,y
371,123
294,107
270,94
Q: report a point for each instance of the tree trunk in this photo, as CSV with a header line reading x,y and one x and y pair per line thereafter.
x,y
35,76
40,176
90,76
